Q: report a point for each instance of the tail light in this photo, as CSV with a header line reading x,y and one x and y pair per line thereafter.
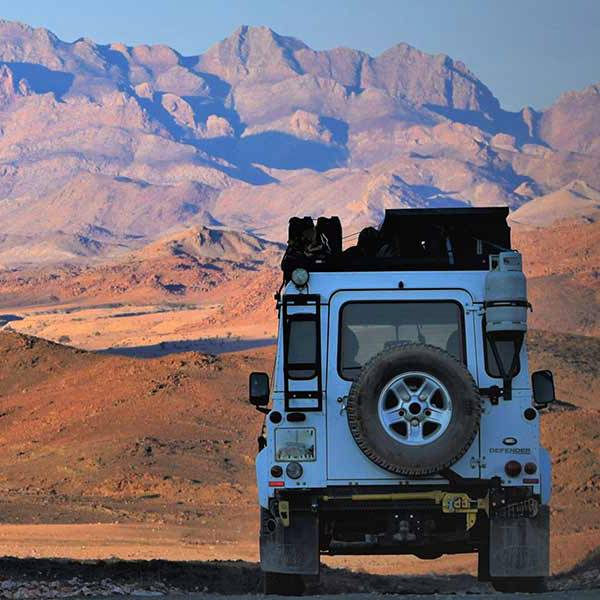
x,y
513,468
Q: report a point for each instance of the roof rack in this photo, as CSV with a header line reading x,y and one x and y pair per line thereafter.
x,y
409,239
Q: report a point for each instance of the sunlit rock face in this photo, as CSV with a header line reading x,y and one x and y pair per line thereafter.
x,y
135,141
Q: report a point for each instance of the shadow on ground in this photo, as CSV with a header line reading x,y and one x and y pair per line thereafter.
x,y
4,319
206,346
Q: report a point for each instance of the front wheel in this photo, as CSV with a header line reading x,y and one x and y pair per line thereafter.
x,y
511,585
283,584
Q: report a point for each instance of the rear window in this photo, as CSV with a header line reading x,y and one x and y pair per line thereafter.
x,y
367,328
301,358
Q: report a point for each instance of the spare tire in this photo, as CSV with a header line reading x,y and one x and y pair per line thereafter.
x,y
414,409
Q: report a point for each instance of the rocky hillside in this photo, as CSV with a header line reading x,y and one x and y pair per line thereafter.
x,y
184,449
206,244
561,262
104,148
577,200
184,445
197,264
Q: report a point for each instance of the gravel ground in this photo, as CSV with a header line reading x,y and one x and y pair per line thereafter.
x,y
590,595
46,579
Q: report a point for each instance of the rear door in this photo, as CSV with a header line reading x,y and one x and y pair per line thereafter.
x,y
361,324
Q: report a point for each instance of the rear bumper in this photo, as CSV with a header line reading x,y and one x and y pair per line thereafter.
x,y
299,525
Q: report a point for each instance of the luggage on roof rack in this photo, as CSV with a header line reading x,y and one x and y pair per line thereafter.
x,y
458,235
408,239
310,243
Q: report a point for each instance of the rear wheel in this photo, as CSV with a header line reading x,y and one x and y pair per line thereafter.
x,y
283,584
511,585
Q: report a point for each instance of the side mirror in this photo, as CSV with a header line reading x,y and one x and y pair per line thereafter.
x,y
542,383
259,389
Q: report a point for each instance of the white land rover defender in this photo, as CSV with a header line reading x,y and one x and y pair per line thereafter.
x,y
402,419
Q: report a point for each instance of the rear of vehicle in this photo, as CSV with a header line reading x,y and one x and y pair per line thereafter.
x,y
402,419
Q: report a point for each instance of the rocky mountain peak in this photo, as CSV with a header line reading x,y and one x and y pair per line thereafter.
x,y
266,37
24,44
253,53
14,28
427,79
15,31
572,122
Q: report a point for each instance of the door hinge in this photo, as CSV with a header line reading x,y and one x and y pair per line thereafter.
x,y
476,310
342,401
493,393
478,462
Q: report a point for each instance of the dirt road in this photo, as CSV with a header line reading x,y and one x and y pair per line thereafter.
x,y
591,595
38,579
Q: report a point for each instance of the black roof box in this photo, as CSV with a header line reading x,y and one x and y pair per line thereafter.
x,y
464,227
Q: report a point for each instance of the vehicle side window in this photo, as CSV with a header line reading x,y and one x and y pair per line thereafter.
x,y
367,328
506,349
301,358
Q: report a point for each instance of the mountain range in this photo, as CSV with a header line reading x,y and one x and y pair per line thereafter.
x,y
105,148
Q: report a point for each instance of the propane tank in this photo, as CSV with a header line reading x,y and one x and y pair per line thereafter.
x,y
506,295
506,314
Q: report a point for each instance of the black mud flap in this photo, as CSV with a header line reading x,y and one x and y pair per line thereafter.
x,y
291,549
520,546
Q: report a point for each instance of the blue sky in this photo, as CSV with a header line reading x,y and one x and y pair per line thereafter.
x,y
527,51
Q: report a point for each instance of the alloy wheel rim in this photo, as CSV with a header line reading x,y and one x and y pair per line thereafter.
x,y
415,408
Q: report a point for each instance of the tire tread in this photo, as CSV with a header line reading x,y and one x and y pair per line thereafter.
x,y
353,412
